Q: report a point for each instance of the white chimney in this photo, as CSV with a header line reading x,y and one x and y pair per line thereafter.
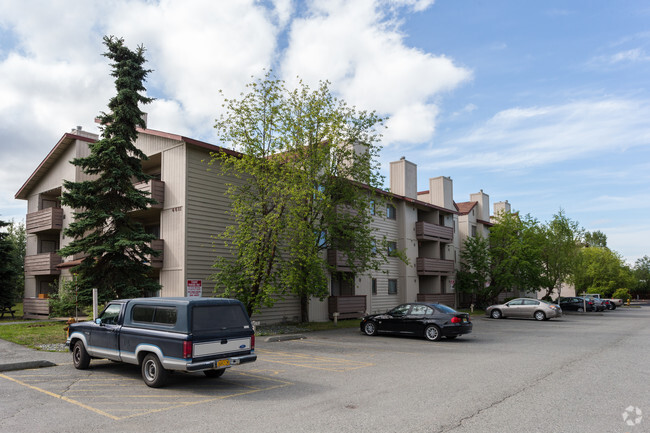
x,y
404,178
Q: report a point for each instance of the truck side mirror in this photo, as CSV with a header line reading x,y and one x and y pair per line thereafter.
x,y
98,321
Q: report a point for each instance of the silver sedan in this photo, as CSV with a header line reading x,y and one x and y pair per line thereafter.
x,y
526,308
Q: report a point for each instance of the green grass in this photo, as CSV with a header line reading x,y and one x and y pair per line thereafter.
x,y
34,334
476,312
18,314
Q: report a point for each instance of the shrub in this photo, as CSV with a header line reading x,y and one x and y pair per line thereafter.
x,y
64,302
623,294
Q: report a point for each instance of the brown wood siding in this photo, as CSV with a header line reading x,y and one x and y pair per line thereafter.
x,y
348,307
43,220
156,189
36,308
42,264
442,298
428,266
434,232
283,311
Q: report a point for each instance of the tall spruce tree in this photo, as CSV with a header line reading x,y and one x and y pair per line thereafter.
x,y
115,246
8,274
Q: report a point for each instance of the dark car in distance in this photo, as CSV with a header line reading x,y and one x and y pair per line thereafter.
x,y
429,320
576,303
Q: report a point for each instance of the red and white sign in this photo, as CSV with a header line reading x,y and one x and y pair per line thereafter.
x,y
194,287
451,283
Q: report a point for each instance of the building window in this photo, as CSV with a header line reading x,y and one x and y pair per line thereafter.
x,y
373,247
373,209
473,230
391,213
374,286
392,287
392,248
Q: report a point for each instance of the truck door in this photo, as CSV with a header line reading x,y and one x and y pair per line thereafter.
x,y
104,339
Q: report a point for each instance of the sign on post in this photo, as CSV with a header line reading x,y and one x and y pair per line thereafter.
x,y
194,288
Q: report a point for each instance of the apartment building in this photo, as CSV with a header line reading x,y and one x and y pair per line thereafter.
x,y
192,208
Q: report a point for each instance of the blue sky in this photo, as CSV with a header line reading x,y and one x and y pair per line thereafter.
x,y
543,104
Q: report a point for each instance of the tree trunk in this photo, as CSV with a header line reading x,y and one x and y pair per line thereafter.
x,y
304,308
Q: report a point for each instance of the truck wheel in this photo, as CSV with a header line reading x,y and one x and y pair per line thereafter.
x,y
80,357
153,373
214,373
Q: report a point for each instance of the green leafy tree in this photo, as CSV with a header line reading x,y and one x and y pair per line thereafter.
x,y
595,239
115,246
561,245
474,274
16,234
515,253
306,177
623,294
642,276
8,273
601,270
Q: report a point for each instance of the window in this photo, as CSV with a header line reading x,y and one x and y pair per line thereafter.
x,y
373,209
153,314
392,248
421,310
400,310
208,319
321,241
392,287
373,247
374,286
391,213
530,302
473,231
110,314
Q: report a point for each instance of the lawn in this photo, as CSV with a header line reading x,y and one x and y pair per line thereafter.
x,y
18,314
33,334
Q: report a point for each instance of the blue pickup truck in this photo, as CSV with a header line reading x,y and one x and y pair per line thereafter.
x,y
162,334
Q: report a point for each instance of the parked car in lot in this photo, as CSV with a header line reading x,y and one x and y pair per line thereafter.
x,y
162,334
599,304
575,303
610,303
525,308
432,321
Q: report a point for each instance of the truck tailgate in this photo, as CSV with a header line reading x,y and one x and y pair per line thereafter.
x,y
221,347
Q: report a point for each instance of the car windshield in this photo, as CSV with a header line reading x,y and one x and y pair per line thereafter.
x,y
445,309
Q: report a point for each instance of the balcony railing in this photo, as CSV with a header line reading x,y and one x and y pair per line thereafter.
x,y
425,231
428,266
42,264
44,220
156,188
438,298
36,308
348,307
337,259
156,261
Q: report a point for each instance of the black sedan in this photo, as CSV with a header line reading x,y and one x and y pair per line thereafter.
x,y
432,321
575,303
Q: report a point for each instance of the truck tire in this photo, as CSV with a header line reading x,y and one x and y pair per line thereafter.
x,y
80,357
153,373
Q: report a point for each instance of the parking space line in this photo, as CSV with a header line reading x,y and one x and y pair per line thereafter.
x,y
133,405
338,365
69,400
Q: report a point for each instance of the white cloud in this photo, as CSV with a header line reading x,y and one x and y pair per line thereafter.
x,y
536,136
359,48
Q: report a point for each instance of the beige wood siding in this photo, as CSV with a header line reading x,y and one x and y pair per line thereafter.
x,y
285,310
207,207
172,216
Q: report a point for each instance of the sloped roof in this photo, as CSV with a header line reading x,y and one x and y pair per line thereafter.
x,y
465,207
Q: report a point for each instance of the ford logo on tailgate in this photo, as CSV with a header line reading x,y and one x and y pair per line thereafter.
x,y
243,346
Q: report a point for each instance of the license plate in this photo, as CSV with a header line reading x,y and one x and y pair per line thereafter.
x,y
223,363
464,319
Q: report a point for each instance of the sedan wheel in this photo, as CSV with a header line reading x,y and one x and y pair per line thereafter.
x,y
370,328
432,333
580,310
496,314
539,315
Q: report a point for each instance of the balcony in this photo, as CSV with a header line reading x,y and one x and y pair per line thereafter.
x,y
42,264
156,261
156,189
338,260
437,298
348,307
433,232
428,266
36,308
44,220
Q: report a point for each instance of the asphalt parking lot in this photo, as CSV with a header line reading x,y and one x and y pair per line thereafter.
x,y
578,373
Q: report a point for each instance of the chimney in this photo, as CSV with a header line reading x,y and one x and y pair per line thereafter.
x,y
483,205
441,192
404,178
502,206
